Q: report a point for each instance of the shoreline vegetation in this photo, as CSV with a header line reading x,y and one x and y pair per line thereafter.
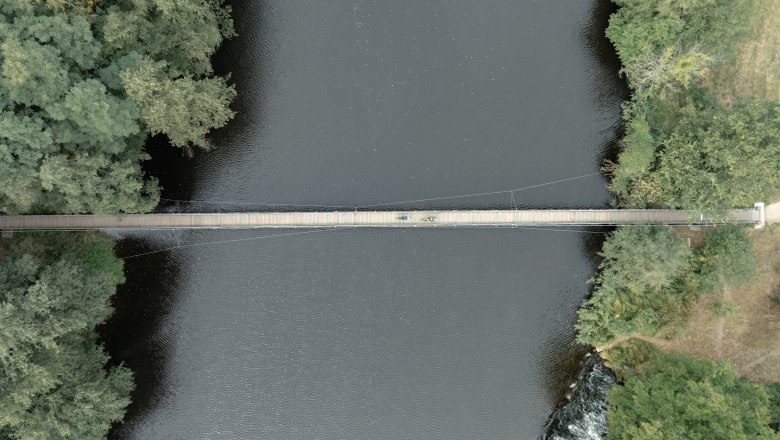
x,y
702,133
83,84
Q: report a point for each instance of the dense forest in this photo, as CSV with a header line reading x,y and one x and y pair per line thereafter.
x,y
687,145
683,147
54,290
648,277
677,396
83,84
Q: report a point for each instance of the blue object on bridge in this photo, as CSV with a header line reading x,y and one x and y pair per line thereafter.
x,y
403,217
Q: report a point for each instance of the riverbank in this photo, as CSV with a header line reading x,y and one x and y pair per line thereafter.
x,y
738,323
702,133
83,84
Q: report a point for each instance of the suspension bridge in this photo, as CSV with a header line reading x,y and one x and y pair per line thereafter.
x,y
360,217
382,219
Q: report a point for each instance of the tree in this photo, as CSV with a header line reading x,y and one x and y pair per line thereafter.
x,y
675,396
70,35
53,384
720,158
727,256
184,33
661,40
638,150
73,6
184,108
773,389
86,182
88,116
665,46
673,67
637,288
64,66
32,73
24,141
86,401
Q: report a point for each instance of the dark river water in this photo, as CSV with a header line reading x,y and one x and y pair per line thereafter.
x,y
377,334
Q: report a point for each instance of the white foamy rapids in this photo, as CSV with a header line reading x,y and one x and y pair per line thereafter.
x,y
584,417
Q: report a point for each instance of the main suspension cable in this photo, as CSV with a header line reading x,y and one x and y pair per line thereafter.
x,y
510,191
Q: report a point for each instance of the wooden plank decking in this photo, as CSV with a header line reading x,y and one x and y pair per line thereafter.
x,y
373,219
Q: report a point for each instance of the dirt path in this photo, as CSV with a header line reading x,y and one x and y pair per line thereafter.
x,y
720,324
620,339
744,329
748,366
720,330
772,213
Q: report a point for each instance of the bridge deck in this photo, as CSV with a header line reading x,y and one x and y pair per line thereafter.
x,y
247,220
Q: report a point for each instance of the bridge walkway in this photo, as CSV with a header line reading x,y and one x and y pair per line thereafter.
x,y
377,219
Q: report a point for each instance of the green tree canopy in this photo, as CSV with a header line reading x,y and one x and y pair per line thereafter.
x,y
682,148
637,287
53,385
33,74
88,116
184,108
773,389
663,41
727,256
85,79
24,142
677,396
97,183
70,35
720,158
183,33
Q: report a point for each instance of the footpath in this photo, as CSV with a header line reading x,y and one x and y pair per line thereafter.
x,y
773,213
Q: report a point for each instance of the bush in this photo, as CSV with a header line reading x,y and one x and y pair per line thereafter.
x,y
774,297
638,154
773,389
660,41
727,256
54,290
677,396
639,287
624,358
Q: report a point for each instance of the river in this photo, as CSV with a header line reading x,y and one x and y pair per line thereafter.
x,y
377,334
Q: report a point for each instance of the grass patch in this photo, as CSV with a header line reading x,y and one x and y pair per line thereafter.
x,y
752,311
757,59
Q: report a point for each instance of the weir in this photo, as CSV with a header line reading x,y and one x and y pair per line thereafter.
x,y
382,219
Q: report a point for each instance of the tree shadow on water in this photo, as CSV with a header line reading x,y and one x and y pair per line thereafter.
x,y
134,334
562,358
249,61
609,88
